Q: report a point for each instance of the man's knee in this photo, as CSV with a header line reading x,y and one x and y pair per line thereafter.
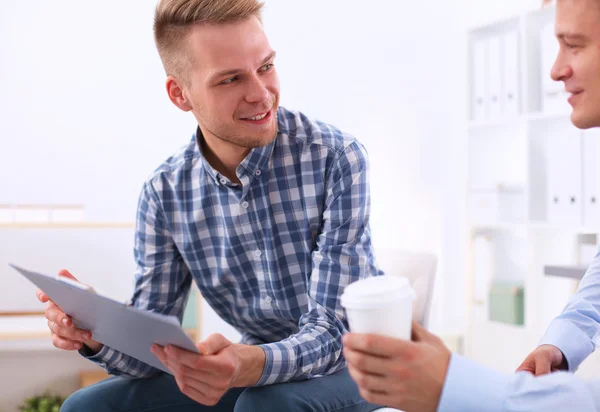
x,y
86,399
270,398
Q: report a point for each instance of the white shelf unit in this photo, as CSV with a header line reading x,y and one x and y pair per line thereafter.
x,y
524,159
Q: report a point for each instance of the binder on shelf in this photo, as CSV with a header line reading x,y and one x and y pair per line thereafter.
x,y
511,74
495,77
503,203
480,80
507,303
483,268
564,194
591,179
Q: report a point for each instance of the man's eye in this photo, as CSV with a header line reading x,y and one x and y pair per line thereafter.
x,y
230,80
266,67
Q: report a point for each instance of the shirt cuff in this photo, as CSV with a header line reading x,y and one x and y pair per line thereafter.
x,y
105,358
280,363
470,387
575,345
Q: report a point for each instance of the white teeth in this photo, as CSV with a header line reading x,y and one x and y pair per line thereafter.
x,y
262,116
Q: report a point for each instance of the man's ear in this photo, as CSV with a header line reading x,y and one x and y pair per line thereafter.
x,y
175,92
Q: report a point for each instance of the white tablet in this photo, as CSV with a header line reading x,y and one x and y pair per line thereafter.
x,y
112,323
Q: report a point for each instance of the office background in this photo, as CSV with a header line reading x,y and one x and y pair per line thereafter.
x,y
85,119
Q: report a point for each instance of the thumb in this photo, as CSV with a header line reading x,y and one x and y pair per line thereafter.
x,y
542,366
419,333
528,365
213,344
65,273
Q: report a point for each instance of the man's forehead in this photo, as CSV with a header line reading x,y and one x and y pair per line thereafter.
x,y
578,18
228,47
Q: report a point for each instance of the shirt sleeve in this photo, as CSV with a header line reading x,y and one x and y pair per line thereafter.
x,y
470,387
342,256
162,281
575,330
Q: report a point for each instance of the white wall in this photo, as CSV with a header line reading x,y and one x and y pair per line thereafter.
x,y
478,12
85,117
84,114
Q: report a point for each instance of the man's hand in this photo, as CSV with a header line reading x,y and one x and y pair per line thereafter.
x,y
222,365
545,359
64,334
396,373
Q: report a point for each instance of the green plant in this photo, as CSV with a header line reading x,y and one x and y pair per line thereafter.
x,y
42,403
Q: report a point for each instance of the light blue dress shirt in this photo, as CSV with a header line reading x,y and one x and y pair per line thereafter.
x,y
575,330
473,387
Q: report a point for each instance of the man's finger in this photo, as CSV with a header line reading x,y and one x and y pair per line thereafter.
x,y
419,333
204,379
181,355
366,363
66,273
369,381
65,344
53,313
526,366
70,333
209,364
213,344
542,367
377,397
159,352
41,296
377,345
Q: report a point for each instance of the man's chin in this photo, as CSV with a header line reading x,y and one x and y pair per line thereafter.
x,y
583,120
251,141
260,141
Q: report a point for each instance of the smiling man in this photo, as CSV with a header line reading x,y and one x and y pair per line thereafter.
x,y
265,210
570,338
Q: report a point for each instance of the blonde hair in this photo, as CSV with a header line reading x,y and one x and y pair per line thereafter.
x,y
173,19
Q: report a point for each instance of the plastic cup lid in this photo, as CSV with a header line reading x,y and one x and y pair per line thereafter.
x,y
376,291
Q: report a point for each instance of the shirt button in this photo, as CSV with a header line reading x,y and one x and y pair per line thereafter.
x,y
258,172
223,181
257,253
245,205
268,299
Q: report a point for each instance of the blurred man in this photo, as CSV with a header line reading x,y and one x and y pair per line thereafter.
x,y
569,339
265,210
422,375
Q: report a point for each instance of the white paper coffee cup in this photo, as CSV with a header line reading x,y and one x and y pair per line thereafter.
x,y
381,305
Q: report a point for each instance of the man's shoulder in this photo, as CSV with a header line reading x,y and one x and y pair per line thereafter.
x,y
301,129
175,166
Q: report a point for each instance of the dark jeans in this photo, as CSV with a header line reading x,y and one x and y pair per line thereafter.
x,y
331,393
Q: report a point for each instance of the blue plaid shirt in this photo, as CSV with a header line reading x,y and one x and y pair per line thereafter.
x,y
271,255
